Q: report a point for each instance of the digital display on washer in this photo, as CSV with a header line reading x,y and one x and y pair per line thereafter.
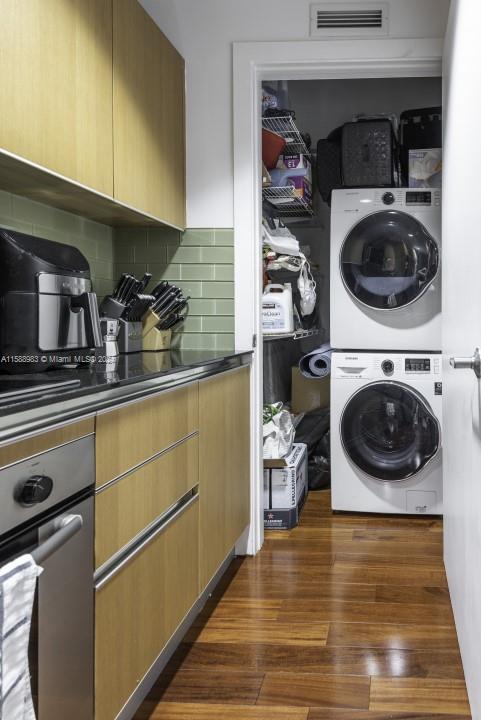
x,y
418,198
416,365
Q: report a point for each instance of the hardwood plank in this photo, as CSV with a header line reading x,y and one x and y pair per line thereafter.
x,y
312,533
420,550
396,534
281,554
334,611
317,589
382,662
370,635
251,631
239,609
314,690
416,695
192,711
333,714
405,559
405,594
204,685
386,575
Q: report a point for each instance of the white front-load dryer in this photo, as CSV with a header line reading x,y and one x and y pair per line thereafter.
x,y
385,269
386,432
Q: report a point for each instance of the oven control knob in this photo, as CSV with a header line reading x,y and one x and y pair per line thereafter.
x,y
388,198
387,366
35,490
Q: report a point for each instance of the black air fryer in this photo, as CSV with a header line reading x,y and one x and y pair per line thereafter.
x,y
48,315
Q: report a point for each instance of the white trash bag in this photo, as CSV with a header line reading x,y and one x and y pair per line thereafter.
x,y
278,432
307,288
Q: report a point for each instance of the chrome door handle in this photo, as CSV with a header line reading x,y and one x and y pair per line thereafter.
x,y
468,363
69,526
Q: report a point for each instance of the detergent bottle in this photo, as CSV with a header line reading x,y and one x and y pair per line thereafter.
x,y
277,315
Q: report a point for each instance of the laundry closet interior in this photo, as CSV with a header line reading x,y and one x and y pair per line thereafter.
x,y
371,253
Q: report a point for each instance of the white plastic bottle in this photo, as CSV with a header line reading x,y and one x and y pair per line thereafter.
x,y
277,315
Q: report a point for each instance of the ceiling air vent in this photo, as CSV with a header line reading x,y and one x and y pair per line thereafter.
x,y
337,19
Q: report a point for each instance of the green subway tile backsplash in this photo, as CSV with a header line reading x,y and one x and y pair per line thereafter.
x,y
93,239
201,262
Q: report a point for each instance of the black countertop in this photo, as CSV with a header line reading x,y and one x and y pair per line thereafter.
x,y
100,387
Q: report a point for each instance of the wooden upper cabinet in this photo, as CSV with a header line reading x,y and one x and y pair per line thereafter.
x,y
56,80
149,116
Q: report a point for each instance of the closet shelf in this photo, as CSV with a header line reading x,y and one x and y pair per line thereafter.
x,y
287,203
296,335
286,128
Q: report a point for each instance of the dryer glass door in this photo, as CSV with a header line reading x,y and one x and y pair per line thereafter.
x,y
388,260
389,431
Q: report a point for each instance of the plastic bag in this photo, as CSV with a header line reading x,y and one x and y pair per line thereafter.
x,y
307,289
278,431
280,239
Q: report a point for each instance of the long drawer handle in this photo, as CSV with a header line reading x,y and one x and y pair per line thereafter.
x,y
108,573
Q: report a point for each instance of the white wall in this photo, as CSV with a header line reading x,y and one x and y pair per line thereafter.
x,y
203,31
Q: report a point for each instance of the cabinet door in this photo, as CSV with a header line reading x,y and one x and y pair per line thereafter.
x,y
139,609
124,509
224,466
149,116
56,80
130,435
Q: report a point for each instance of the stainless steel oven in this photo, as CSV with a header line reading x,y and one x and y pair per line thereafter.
x,y
46,508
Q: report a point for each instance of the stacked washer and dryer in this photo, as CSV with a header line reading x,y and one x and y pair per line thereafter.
x,y
386,363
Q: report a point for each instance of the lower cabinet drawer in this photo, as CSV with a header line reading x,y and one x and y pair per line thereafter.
x,y
139,607
124,509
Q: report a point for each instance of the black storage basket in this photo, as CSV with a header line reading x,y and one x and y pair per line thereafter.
x,y
368,154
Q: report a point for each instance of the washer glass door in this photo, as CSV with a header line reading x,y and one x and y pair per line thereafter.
x,y
389,431
388,260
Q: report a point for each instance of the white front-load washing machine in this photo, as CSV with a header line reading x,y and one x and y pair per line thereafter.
x,y
385,269
386,432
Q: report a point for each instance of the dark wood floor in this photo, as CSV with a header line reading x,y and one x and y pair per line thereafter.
x,y
342,618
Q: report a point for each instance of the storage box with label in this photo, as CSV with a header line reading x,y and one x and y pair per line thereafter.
x,y
285,488
425,168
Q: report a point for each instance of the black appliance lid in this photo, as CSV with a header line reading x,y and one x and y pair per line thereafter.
x,y
389,431
23,257
388,260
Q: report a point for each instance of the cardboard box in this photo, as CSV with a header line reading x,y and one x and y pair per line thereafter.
x,y
285,484
425,168
284,519
309,394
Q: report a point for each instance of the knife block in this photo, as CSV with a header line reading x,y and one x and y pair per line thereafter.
x,y
156,340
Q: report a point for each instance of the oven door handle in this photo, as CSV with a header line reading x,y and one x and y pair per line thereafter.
x,y
70,525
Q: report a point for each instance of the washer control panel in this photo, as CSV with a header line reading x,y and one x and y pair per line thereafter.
x,y
417,365
392,366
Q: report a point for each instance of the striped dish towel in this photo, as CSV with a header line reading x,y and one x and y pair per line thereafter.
x,y
18,580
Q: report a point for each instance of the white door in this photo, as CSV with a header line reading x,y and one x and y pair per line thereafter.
x,y
462,331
